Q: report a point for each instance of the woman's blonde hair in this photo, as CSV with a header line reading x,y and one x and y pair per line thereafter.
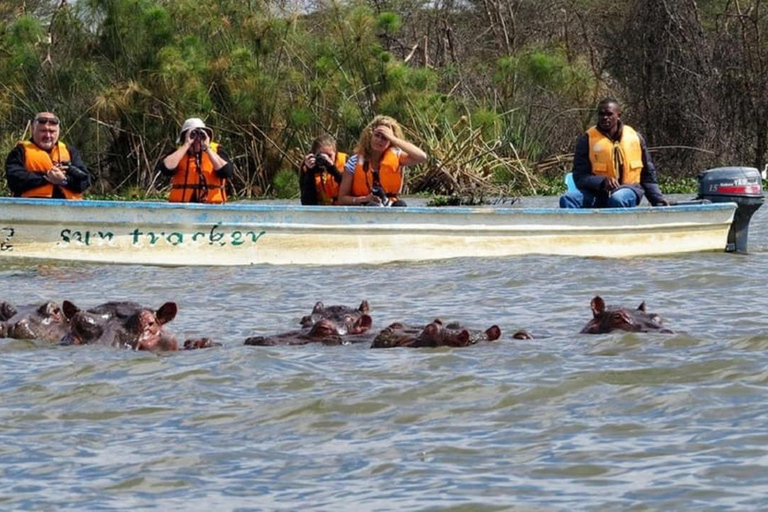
x,y
364,144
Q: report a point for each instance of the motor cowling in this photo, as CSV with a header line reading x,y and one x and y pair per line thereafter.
x,y
740,185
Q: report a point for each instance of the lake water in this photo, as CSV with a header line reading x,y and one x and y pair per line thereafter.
x,y
566,421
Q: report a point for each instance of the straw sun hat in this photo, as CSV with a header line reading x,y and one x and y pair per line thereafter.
x,y
191,124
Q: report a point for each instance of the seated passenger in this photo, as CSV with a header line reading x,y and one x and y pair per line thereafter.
x,y
199,167
374,174
320,172
611,165
45,167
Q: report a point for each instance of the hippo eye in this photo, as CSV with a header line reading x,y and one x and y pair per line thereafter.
x,y
621,317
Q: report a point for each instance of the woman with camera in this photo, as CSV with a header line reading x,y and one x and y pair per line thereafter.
x,y
374,174
320,176
199,167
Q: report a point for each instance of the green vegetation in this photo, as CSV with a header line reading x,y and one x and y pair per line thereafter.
x,y
496,91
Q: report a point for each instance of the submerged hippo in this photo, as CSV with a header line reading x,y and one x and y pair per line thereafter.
x,y
121,325
347,320
323,331
606,319
434,334
45,322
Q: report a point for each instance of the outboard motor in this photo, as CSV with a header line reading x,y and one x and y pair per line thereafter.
x,y
740,185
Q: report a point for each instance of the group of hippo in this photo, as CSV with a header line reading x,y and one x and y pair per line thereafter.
x,y
133,326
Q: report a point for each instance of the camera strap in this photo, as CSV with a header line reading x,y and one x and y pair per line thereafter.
x,y
202,192
374,175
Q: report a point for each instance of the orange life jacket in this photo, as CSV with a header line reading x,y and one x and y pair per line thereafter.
x,y
193,185
390,176
40,161
606,156
327,187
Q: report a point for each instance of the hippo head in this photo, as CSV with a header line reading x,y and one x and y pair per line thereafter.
x,y
146,329
198,343
45,322
346,319
435,335
129,326
607,319
84,327
396,335
456,335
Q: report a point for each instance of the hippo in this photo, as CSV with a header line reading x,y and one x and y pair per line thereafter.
x,y
346,319
121,325
434,334
607,319
323,331
45,322
198,343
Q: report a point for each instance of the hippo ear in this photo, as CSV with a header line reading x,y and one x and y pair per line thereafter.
x,y
7,310
437,321
364,307
48,309
641,307
69,309
318,308
363,323
167,312
493,333
597,305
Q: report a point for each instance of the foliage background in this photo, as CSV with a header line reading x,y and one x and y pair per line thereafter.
x,y
496,91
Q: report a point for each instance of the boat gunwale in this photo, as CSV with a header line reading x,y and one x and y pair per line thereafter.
x,y
239,207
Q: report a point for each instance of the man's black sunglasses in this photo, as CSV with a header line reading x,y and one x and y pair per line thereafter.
x,y
47,120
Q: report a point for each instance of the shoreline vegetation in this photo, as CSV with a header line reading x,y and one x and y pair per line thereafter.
x,y
495,91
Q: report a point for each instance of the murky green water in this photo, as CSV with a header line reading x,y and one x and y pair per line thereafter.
x,y
568,421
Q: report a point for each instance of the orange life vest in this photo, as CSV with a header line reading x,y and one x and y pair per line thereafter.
x,y
606,156
40,161
193,185
390,176
327,187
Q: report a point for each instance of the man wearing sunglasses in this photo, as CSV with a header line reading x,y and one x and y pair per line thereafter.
x,y
43,166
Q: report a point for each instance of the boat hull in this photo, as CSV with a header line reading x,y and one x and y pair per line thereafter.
x,y
157,233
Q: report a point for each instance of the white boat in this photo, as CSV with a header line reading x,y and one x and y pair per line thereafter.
x,y
159,233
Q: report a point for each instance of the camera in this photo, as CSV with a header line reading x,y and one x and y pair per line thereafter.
x,y
72,171
321,163
379,192
197,134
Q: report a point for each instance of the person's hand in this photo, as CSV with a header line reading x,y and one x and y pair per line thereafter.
x,y
205,141
56,175
384,132
611,184
188,140
662,202
372,199
309,162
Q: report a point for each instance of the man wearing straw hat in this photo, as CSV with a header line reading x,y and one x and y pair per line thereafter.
x,y
199,167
